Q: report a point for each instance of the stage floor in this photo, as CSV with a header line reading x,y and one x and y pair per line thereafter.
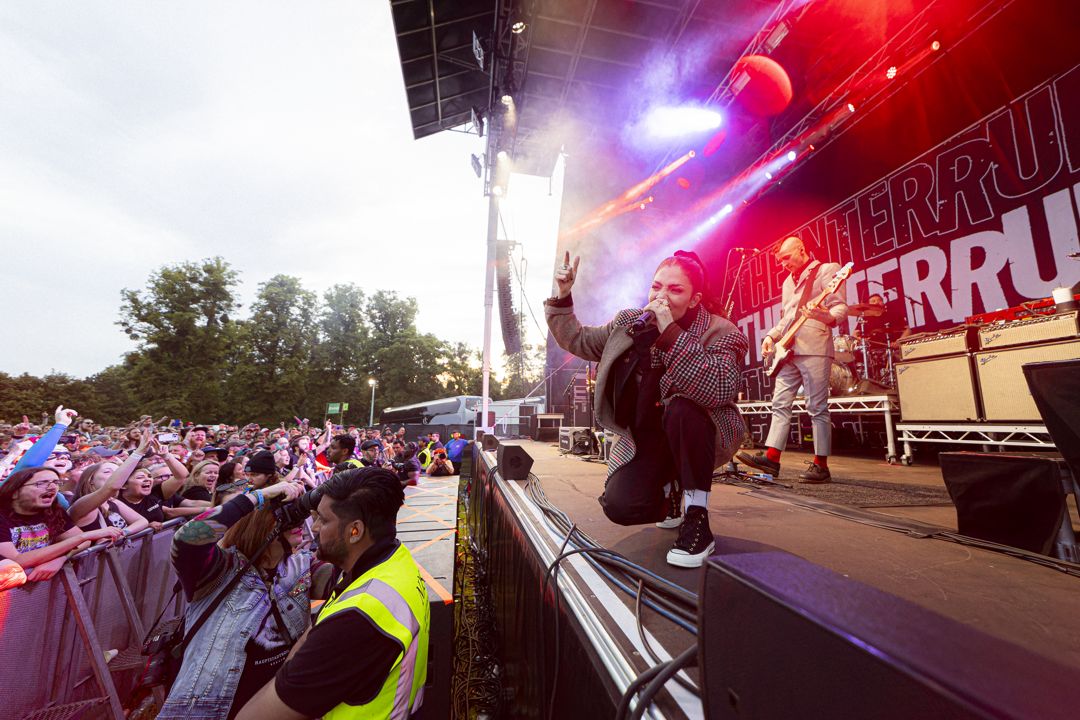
x,y
1007,597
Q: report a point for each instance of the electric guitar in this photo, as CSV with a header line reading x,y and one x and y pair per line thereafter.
x,y
782,347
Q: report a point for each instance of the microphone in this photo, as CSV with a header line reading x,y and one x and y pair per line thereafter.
x,y
643,321
745,251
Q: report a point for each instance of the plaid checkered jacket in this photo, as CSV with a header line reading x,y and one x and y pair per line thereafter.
x,y
701,364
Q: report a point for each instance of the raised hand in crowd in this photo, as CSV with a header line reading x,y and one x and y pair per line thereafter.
x,y
64,416
566,274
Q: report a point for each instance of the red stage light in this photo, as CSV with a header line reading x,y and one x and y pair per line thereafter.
x,y
935,46
714,142
683,183
891,72
761,85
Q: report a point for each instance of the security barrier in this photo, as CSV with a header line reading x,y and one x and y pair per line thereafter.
x,y
70,646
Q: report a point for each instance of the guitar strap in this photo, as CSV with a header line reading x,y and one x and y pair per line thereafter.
x,y
808,290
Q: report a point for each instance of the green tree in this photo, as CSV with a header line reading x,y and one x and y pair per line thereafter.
x,y
342,357
180,322
408,370
276,346
522,372
462,373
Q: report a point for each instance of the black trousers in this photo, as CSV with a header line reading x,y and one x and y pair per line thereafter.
x,y
681,451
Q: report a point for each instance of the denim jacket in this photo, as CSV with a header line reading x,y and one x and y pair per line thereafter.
x,y
214,659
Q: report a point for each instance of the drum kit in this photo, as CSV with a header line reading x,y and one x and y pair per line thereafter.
x,y
867,355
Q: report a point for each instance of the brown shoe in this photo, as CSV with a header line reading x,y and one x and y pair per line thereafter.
x,y
815,475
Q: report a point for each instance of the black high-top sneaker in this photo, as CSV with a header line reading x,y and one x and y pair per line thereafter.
x,y
695,541
674,513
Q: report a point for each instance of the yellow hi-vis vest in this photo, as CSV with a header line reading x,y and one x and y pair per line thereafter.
x,y
424,456
393,595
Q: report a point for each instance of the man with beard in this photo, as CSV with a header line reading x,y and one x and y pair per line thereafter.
x,y
380,605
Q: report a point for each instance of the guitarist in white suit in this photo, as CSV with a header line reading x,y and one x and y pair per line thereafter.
x,y
809,363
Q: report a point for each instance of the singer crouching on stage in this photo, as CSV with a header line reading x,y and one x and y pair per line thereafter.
x,y
666,385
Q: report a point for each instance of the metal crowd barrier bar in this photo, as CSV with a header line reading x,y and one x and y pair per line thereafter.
x,y
55,635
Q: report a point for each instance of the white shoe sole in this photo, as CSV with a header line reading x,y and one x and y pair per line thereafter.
x,y
669,523
681,558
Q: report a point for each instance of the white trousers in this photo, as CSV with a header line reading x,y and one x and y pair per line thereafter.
x,y
812,373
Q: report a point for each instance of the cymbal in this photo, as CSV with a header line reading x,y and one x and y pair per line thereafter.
x,y
866,309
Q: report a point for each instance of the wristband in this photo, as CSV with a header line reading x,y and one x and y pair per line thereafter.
x,y
260,499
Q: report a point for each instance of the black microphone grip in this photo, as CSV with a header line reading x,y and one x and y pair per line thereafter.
x,y
646,317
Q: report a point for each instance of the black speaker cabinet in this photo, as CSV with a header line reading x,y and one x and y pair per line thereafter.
x,y
514,462
780,637
1013,499
489,442
1055,388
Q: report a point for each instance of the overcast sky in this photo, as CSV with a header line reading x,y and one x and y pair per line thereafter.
x,y
274,134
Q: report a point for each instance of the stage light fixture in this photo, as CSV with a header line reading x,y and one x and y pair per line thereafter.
x,y
667,122
850,107
792,155
768,175
502,155
726,210
507,99
935,46
891,72
518,27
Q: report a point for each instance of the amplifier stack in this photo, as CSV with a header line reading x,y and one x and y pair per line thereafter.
x,y
975,373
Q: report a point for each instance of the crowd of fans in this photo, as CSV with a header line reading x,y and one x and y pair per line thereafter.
x,y
75,483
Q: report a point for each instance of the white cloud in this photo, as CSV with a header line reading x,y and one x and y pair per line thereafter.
x,y
273,134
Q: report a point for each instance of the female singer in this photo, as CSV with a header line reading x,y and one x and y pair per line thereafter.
x,y
666,384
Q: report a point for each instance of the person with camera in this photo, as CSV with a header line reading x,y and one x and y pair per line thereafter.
x,y
380,606
249,599
440,466
405,463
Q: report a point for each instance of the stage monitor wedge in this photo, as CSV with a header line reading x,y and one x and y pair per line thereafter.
x,y
1009,498
780,637
514,463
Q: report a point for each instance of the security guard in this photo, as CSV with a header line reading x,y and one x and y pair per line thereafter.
x,y
340,453
366,655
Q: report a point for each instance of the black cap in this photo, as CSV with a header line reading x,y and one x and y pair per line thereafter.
x,y
370,444
222,454
262,462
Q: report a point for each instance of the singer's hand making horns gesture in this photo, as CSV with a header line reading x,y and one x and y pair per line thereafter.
x,y
565,275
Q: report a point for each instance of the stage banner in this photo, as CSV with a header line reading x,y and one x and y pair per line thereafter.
x,y
985,220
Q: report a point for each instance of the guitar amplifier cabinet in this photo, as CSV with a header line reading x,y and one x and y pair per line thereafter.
x,y
1029,330
942,389
1005,393
960,339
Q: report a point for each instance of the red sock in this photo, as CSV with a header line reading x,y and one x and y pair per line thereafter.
x,y
821,461
773,454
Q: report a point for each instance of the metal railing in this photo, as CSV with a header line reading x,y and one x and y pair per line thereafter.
x,y
71,646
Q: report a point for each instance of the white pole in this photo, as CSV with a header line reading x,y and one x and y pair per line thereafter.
x,y
371,414
489,299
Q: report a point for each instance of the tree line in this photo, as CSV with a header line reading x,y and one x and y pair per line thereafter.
x,y
295,351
